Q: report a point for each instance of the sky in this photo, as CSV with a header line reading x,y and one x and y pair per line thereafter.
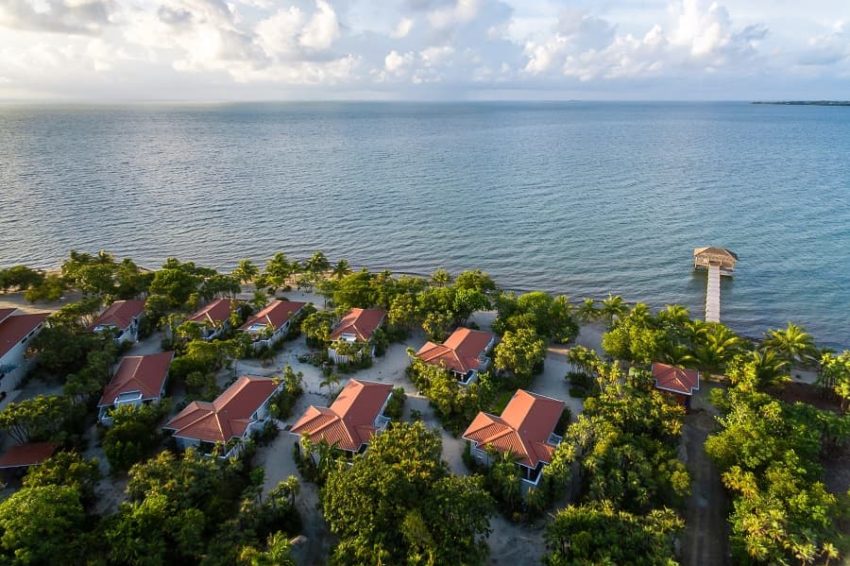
x,y
218,50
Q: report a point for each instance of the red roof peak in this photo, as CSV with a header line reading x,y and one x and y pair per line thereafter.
x,y
275,314
461,352
216,312
120,314
228,416
361,322
145,374
675,379
350,420
523,428
15,327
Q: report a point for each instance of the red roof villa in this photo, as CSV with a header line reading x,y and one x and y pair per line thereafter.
x,y
525,428
273,322
356,327
352,419
26,455
241,409
16,330
124,316
214,318
678,382
137,380
464,353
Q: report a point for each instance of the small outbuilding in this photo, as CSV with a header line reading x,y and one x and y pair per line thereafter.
x,y
679,382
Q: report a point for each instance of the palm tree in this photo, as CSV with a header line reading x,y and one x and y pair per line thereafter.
x,y
317,263
246,271
613,307
793,344
441,277
716,348
767,367
675,314
341,269
330,381
588,312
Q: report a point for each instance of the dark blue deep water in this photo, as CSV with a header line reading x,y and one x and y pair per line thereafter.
x,y
580,198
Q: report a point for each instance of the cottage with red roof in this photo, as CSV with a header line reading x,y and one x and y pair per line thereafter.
x,y
272,323
229,420
124,318
526,428
356,328
214,318
676,381
25,455
464,353
16,330
137,380
351,421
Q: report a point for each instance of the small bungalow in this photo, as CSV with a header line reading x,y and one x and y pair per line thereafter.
x,y
678,382
464,353
272,323
22,456
16,330
214,319
124,317
356,327
137,380
353,418
229,420
525,428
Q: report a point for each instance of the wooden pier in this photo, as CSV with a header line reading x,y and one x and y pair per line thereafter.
x,y
712,294
718,261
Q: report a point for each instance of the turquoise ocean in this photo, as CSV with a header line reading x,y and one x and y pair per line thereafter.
x,y
576,198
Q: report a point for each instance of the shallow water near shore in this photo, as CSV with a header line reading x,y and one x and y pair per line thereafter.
x,y
579,198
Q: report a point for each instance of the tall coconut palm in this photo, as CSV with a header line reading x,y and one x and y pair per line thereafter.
x,y
676,315
613,307
716,348
587,311
245,271
341,269
441,277
793,344
767,368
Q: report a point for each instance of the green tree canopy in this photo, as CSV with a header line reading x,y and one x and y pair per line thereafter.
x,y
398,503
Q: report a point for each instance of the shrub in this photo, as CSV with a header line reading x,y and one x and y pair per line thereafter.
x,y
395,406
133,435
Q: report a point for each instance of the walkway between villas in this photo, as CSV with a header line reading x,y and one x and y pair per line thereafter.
x,y
706,536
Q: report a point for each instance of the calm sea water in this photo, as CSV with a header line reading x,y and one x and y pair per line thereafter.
x,y
581,198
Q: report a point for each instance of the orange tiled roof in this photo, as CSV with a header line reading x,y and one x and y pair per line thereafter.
x,y
217,312
120,314
460,352
675,379
145,374
523,428
276,314
228,416
360,322
30,454
14,327
349,422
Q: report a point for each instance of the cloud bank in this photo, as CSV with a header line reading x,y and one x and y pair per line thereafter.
x,y
259,49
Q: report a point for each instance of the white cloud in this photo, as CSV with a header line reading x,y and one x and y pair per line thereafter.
x,y
241,47
402,28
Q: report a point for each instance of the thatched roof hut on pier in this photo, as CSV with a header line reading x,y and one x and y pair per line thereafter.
x,y
723,258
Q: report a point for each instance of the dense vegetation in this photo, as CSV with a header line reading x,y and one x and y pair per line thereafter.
x,y
398,504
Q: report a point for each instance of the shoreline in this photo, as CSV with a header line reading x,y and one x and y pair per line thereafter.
x,y
23,305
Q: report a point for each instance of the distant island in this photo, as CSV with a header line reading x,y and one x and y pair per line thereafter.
x,y
807,102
